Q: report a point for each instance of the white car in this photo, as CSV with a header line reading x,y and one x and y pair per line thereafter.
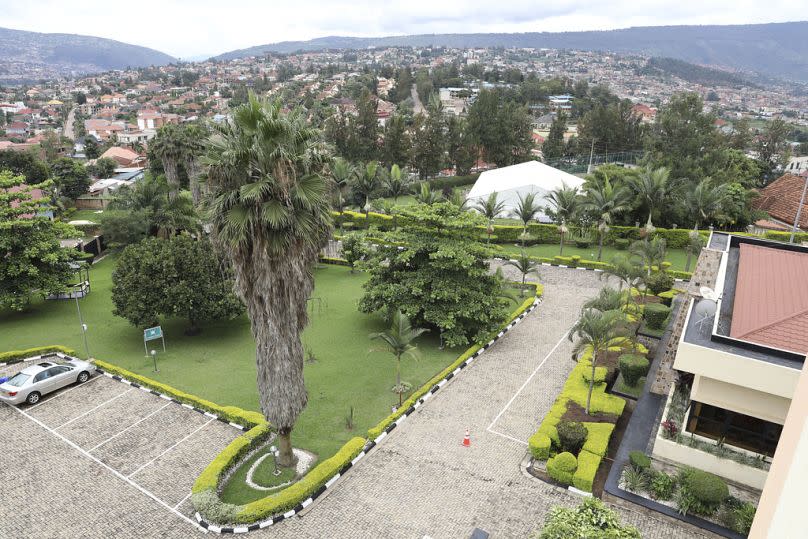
x,y
31,383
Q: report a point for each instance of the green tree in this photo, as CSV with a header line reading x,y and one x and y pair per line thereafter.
x,y
651,253
102,168
605,202
651,188
553,146
396,145
428,140
425,194
366,127
490,208
70,177
694,246
772,145
354,248
153,278
704,201
270,214
460,146
565,203
91,149
440,280
399,340
526,210
33,259
366,183
524,265
26,164
591,519
596,329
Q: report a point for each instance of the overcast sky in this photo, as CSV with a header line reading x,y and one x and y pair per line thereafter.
x,y
187,28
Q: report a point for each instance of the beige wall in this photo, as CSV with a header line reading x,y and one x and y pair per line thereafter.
x,y
781,511
740,399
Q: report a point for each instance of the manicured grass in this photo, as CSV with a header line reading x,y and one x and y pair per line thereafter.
x,y
219,364
677,257
85,215
621,386
237,491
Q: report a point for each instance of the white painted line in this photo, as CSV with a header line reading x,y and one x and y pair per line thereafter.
x,y
173,446
529,378
111,469
332,481
91,410
511,438
59,394
182,501
141,420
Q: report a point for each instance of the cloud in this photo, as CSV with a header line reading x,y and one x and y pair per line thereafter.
x,y
189,28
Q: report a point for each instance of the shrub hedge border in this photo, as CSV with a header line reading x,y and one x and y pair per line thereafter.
x,y
345,457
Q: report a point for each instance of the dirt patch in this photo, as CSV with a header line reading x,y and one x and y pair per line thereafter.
x,y
611,452
578,413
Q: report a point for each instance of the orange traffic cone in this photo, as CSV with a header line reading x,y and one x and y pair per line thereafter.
x,y
467,439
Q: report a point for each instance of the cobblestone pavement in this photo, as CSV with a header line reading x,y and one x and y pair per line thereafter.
x,y
103,459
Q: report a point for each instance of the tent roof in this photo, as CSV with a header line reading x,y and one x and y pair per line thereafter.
x,y
523,174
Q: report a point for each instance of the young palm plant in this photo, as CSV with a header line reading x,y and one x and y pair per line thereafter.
x,y
425,195
526,210
366,183
703,202
565,203
490,208
605,201
652,253
596,329
608,299
267,202
524,265
396,184
399,340
651,187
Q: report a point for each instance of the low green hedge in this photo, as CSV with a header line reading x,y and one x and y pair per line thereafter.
x,y
633,367
584,475
597,442
562,467
656,314
539,445
334,261
15,356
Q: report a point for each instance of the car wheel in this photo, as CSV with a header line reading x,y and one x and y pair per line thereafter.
x,y
33,397
83,377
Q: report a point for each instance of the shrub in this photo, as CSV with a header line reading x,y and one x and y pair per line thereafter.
x,y
661,486
590,519
539,445
739,517
576,261
584,476
572,436
634,480
597,441
562,467
668,295
15,356
639,461
632,367
705,487
622,243
685,501
656,314
659,282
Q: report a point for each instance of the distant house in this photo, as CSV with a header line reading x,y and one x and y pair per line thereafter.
x,y
152,119
123,156
17,129
645,113
797,165
781,198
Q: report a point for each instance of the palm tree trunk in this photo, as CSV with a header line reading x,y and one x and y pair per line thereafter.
x,y
286,457
600,245
591,382
687,262
561,252
398,379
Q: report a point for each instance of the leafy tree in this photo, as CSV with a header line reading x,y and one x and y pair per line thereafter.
x,y
461,149
26,164
565,202
591,519
428,140
396,145
526,210
524,265
596,329
354,248
490,208
611,126
694,247
772,146
102,168
124,227
398,340
70,177
553,147
270,215
366,127
91,149
33,260
501,128
741,137
605,202
153,278
440,280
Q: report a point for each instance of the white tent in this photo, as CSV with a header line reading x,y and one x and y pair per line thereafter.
x,y
517,180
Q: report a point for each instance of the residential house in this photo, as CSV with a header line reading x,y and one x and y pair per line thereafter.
x,y
17,129
645,113
797,165
123,156
781,199
152,119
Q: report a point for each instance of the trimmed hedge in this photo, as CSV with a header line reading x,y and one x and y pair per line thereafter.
x,y
584,476
452,181
705,487
639,461
597,442
667,296
572,435
633,367
562,467
539,444
16,356
656,314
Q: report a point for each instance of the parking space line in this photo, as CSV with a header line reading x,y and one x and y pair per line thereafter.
x,y
172,447
68,390
141,420
182,501
111,469
121,394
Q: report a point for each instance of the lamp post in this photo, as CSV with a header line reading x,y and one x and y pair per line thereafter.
x,y
799,211
274,450
83,329
154,358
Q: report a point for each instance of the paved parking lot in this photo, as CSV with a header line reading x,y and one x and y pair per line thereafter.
x,y
103,458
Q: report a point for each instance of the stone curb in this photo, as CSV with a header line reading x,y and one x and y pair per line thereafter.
x,y
596,270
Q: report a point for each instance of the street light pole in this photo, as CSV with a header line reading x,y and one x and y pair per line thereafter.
x,y
799,211
83,329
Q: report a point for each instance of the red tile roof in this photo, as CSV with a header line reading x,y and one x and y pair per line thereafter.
x,y
781,198
771,298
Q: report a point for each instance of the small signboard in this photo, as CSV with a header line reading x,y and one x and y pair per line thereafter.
x,y
152,334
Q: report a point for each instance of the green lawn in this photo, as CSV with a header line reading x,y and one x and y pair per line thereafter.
x,y
219,364
85,215
677,257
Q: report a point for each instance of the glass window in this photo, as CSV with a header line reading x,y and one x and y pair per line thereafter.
x,y
42,376
734,428
18,379
58,370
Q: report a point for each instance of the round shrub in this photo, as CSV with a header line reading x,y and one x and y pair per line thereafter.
x,y
656,314
572,435
632,367
705,487
659,282
622,243
639,461
562,467
583,243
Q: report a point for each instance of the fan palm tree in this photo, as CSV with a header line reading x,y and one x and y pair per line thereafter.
x,y
596,329
396,184
606,201
342,172
524,265
651,187
490,208
526,210
268,204
564,205
398,340
366,182
425,195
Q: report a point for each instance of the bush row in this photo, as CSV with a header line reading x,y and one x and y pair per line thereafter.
x,y
452,181
15,356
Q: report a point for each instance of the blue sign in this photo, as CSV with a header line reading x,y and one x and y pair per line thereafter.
x,y
153,333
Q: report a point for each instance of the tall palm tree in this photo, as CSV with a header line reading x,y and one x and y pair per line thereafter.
x,y
267,202
651,186
342,172
627,273
702,203
564,205
425,195
596,329
366,182
606,201
651,253
608,299
490,208
398,340
170,147
694,246
524,265
526,210
396,184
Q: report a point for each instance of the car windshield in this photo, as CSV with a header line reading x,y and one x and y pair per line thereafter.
x,y
18,379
